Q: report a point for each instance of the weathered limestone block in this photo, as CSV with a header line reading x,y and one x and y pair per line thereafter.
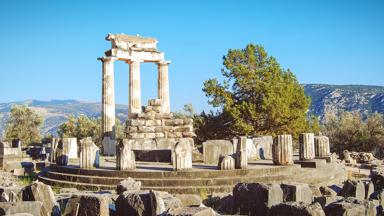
x,y
351,207
182,156
87,204
89,155
347,157
189,199
38,191
241,161
94,205
125,159
137,203
264,147
326,200
194,211
369,188
109,146
282,150
128,184
296,208
252,150
226,162
377,177
352,188
256,198
307,146
322,146
297,192
213,149
21,208
166,202
164,143
64,149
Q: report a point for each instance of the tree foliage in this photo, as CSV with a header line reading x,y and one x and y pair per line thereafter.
x,y
24,124
83,126
349,131
257,96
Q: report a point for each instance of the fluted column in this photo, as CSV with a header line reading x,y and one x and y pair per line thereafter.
x,y
108,98
163,85
282,150
322,146
307,146
134,89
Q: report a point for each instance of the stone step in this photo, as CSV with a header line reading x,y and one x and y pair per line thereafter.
x,y
208,173
174,190
231,180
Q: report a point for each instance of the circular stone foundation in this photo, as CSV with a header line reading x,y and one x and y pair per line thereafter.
x,y
200,179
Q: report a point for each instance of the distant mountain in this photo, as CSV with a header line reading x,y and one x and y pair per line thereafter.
x,y
335,98
56,112
325,99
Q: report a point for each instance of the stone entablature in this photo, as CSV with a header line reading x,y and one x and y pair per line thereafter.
x,y
153,129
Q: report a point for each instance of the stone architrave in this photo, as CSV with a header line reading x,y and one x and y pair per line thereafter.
x,y
322,146
89,157
109,146
226,162
182,156
213,149
125,158
265,146
307,146
241,153
282,150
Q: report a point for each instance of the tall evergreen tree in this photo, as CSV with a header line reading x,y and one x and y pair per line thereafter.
x,y
257,95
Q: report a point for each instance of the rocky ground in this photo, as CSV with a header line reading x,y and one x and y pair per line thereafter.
x,y
362,194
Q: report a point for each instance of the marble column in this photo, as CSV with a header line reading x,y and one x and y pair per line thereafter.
x,y
134,89
108,98
322,146
282,150
307,146
163,85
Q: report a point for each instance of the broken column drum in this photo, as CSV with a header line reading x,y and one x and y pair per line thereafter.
x,y
307,146
282,150
241,153
322,146
182,156
89,154
125,158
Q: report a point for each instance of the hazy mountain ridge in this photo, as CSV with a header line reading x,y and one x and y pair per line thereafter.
x,y
56,112
335,98
325,99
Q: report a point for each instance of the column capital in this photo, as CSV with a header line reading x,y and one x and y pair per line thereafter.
x,y
105,59
163,62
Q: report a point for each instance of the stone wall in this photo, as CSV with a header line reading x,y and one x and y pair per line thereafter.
x,y
153,129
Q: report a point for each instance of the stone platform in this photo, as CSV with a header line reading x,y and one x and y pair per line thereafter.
x,y
202,179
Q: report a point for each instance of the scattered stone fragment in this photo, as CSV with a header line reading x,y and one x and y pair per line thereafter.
x,y
326,200
38,191
93,205
189,199
13,208
327,191
353,188
297,192
89,154
128,184
193,211
377,177
253,198
125,159
296,208
352,207
136,204
183,154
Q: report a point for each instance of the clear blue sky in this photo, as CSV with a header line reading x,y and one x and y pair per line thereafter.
x,y
49,48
